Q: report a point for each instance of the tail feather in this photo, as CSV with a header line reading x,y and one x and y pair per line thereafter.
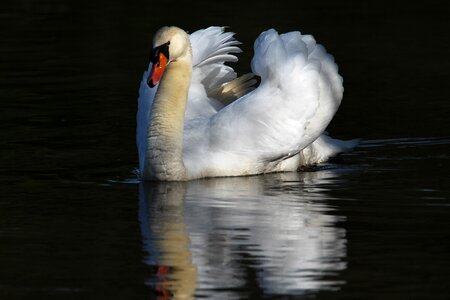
x,y
325,148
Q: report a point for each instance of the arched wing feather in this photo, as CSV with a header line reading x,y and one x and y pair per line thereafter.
x,y
299,93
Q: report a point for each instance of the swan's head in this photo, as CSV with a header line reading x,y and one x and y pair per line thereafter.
x,y
169,44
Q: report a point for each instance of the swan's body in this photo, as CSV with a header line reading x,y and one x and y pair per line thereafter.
x,y
185,131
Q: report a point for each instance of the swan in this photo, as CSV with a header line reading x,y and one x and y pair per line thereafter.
x,y
197,119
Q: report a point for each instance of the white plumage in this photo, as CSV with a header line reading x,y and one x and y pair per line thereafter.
x,y
275,127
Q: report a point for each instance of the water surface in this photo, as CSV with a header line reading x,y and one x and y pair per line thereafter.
x,y
218,236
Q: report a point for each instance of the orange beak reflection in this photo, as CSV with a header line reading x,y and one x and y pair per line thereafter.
x,y
157,70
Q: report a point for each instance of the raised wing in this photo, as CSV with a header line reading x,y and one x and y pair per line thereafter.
x,y
211,48
299,93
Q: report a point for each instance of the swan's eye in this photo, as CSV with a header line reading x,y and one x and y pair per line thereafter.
x,y
164,49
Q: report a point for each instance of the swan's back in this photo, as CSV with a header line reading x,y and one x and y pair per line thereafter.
x,y
299,94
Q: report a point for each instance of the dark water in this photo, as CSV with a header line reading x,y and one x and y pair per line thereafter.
x,y
372,224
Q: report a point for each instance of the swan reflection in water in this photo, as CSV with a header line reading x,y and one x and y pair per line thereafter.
x,y
229,237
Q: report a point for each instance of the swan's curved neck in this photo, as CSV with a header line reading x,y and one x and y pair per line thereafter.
x,y
164,156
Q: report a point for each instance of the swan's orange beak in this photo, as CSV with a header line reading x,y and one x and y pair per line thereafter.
x,y
157,70
159,59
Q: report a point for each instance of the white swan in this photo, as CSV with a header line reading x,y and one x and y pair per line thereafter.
x,y
190,124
